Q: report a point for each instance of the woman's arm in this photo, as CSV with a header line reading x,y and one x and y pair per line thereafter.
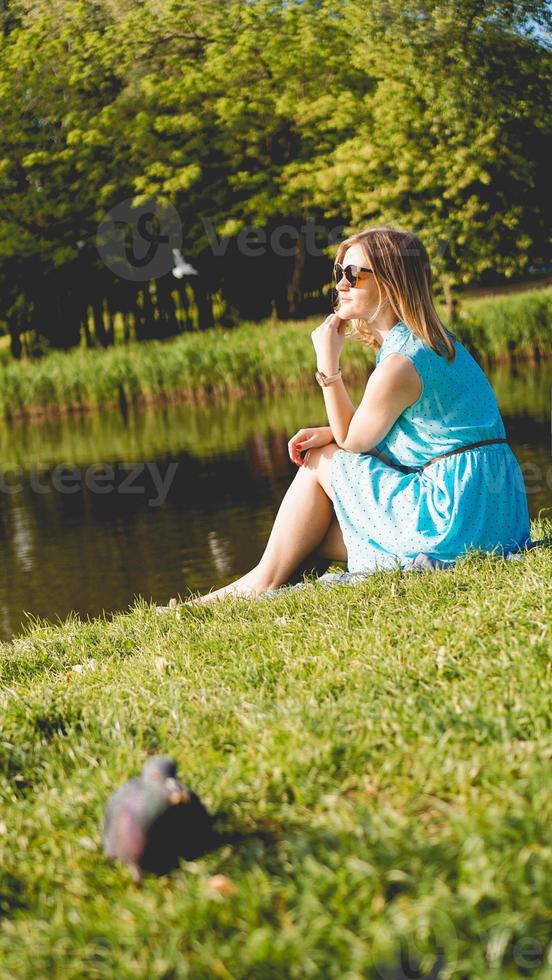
x,y
393,385
328,341
339,409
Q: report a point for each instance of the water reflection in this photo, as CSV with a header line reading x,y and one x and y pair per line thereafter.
x,y
95,510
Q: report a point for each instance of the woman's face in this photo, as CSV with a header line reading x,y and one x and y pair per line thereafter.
x,y
361,300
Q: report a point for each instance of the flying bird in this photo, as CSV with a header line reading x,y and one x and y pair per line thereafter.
x,y
154,820
181,267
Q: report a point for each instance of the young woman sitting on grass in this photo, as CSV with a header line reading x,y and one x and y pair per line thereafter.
x,y
422,465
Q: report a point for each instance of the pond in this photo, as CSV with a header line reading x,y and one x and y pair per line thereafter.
x,y
98,509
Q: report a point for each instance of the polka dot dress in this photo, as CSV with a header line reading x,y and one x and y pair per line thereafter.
x,y
474,499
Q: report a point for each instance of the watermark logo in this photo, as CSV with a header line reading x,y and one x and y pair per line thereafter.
x,y
411,959
136,242
140,242
254,241
147,480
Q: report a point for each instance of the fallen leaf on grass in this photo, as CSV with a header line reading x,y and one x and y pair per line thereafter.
x,y
81,668
221,885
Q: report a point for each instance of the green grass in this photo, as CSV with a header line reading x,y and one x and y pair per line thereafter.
x,y
518,323
384,751
251,359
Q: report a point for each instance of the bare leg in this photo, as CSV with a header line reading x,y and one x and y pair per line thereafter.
x,y
333,545
302,523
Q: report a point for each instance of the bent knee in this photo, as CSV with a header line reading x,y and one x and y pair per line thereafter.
x,y
313,457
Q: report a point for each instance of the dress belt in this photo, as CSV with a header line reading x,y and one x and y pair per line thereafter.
x,y
461,449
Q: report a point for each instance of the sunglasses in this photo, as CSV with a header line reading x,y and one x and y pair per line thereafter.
x,y
352,273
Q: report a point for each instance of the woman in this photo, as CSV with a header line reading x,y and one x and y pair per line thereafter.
x,y
369,490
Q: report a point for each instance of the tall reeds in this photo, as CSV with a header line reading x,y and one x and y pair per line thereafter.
x,y
251,359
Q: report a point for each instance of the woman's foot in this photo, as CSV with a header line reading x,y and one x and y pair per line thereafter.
x,y
247,587
171,607
203,600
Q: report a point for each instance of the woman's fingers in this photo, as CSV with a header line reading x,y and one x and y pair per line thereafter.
x,y
297,444
293,447
302,441
300,436
302,447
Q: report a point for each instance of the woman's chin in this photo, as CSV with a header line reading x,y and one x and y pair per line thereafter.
x,y
345,307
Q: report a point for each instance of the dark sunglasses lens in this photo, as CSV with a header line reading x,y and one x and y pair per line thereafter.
x,y
352,274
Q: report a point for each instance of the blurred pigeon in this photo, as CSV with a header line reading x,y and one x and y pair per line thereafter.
x,y
154,820
181,267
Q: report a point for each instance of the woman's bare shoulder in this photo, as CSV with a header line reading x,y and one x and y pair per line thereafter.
x,y
400,370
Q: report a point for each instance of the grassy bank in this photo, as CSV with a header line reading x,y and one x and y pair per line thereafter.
x,y
382,752
204,430
251,359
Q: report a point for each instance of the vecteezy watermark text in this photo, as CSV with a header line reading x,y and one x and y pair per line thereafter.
x,y
138,242
283,240
138,479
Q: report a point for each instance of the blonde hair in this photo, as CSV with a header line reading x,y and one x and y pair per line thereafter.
x,y
403,276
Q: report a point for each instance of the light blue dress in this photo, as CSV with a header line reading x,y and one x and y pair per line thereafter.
x,y
474,499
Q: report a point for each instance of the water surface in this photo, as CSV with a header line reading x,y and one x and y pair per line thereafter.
x,y
98,509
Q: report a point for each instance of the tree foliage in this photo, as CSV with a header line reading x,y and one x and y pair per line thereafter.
x,y
272,113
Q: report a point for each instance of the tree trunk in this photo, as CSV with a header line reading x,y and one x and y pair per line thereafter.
x,y
86,328
110,333
295,291
15,339
167,311
184,301
137,315
99,326
204,307
280,303
146,326
451,302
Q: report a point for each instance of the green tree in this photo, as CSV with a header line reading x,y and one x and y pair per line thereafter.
x,y
454,139
432,115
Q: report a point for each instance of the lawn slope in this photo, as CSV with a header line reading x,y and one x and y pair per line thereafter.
x,y
382,754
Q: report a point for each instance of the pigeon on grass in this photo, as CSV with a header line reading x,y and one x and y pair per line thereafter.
x,y
154,820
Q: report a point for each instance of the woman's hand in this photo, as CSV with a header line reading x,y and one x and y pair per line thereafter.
x,y
308,439
328,340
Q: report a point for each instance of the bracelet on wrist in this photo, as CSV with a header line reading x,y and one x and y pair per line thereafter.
x,y
327,379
